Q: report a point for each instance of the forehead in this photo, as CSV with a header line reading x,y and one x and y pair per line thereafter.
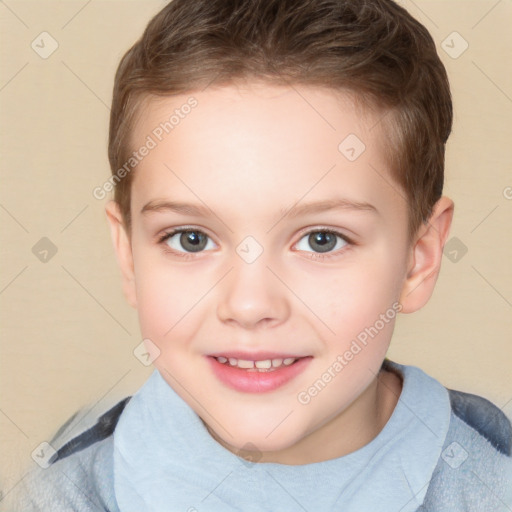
x,y
276,143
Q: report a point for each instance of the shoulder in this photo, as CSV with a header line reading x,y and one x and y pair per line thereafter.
x,y
485,418
102,428
76,472
475,468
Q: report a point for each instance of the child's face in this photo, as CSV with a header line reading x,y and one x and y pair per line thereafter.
x,y
252,159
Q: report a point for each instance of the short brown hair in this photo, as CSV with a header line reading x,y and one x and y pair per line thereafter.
x,y
373,48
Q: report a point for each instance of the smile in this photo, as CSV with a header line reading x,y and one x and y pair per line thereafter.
x,y
264,365
262,373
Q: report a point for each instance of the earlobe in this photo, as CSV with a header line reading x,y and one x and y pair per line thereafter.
x,y
426,256
123,250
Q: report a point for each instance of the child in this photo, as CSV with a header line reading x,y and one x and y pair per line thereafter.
x,y
278,171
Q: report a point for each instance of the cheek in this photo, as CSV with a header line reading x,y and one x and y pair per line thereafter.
x,y
165,294
359,305
355,297
341,302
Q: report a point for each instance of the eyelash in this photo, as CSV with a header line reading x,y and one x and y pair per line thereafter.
x,y
312,255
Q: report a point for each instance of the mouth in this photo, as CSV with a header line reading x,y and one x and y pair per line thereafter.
x,y
262,365
257,373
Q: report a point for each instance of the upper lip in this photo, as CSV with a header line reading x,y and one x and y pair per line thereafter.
x,y
254,356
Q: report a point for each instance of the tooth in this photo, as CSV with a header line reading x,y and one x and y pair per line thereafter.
x,y
267,363
245,364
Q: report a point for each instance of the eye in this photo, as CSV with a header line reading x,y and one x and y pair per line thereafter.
x,y
187,240
322,241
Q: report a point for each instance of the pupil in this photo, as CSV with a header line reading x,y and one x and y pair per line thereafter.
x,y
193,241
324,241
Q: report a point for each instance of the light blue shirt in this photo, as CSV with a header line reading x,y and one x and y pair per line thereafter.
x,y
441,451
166,460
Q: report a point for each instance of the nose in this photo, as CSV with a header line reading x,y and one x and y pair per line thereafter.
x,y
252,297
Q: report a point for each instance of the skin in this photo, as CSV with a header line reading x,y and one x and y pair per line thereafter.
x,y
247,153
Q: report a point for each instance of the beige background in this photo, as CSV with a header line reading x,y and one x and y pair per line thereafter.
x,y
67,334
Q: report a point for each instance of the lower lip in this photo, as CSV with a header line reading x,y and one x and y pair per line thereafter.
x,y
255,381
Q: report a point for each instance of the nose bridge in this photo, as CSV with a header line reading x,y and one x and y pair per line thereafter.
x,y
251,294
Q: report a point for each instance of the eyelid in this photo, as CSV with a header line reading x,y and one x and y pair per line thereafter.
x,y
167,233
319,228
163,237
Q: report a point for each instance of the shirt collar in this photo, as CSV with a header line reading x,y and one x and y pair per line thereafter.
x,y
166,460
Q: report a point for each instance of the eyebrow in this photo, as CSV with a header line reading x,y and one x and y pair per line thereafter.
x,y
197,210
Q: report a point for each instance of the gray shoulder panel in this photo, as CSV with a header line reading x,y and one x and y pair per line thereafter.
x,y
103,428
484,417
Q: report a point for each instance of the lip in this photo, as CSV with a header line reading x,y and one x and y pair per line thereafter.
x,y
256,382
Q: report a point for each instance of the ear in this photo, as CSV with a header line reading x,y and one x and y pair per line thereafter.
x,y
123,249
425,258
